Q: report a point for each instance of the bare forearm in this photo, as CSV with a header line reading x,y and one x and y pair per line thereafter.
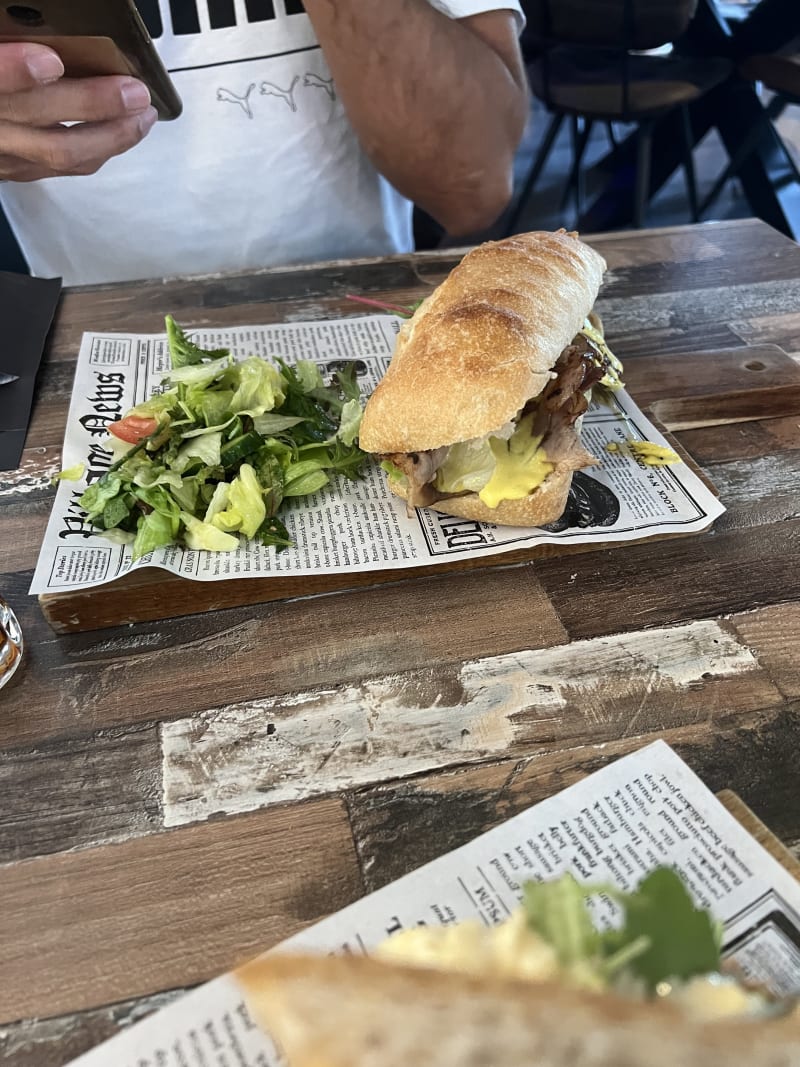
x,y
438,107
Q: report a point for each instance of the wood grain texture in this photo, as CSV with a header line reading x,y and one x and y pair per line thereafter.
x,y
712,388
773,634
553,667
149,595
733,570
165,911
53,1042
779,329
84,790
691,375
239,757
755,440
107,679
401,825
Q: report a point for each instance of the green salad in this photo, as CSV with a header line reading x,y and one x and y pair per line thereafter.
x,y
214,456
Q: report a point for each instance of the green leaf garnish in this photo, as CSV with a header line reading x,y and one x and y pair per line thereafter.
x,y
273,533
663,936
682,940
184,352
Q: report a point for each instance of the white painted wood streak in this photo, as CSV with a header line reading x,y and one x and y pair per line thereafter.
x,y
251,755
33,475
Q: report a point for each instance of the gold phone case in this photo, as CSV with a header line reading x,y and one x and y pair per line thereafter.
x,y
94,37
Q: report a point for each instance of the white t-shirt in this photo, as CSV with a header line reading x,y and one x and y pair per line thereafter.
x,y
261,169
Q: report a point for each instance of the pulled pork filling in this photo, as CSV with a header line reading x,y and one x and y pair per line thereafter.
x,y
579,368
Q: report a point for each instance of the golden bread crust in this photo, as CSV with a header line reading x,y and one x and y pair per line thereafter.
x,y
483,343
340,1011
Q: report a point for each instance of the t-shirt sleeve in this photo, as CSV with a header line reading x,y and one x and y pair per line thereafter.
x,y
460,9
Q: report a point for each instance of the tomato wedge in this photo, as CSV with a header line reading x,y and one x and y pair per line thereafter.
x,y
133,428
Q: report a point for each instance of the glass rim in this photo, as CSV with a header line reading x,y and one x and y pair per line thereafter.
x,y
12,643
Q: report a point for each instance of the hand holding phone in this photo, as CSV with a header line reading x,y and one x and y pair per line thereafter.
x,y
94,37
112,114
87,62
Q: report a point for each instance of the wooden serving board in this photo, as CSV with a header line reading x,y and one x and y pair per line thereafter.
x,y
756,828
677,392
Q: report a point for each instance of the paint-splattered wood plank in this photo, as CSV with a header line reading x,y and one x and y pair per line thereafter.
x,y
112,785
773,634
238,757
106,679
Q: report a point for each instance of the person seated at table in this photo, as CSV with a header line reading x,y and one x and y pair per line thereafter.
x,y
305,136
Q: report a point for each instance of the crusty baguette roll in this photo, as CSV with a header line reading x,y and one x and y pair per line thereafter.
x,y
483,343
343,1011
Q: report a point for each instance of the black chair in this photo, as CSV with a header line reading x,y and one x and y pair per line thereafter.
x,y
595,61
779,74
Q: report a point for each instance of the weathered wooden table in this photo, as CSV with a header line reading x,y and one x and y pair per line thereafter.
x,y
361,733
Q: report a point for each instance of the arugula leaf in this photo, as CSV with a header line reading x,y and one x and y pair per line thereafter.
x,y
335,456
345,379
273,533
663,936
184,352
271,478
682,940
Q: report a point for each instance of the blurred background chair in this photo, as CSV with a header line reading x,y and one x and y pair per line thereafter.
x,y
778,74
610,61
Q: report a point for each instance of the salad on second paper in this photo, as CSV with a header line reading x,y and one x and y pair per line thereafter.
x,y
214,456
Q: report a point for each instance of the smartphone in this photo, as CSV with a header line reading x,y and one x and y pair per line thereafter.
x,y
94,37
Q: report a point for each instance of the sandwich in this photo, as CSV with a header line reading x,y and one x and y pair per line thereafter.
x,y
479,412
542,989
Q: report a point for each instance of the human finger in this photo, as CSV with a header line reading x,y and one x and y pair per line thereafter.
x,y
24,65
99,99
67,150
